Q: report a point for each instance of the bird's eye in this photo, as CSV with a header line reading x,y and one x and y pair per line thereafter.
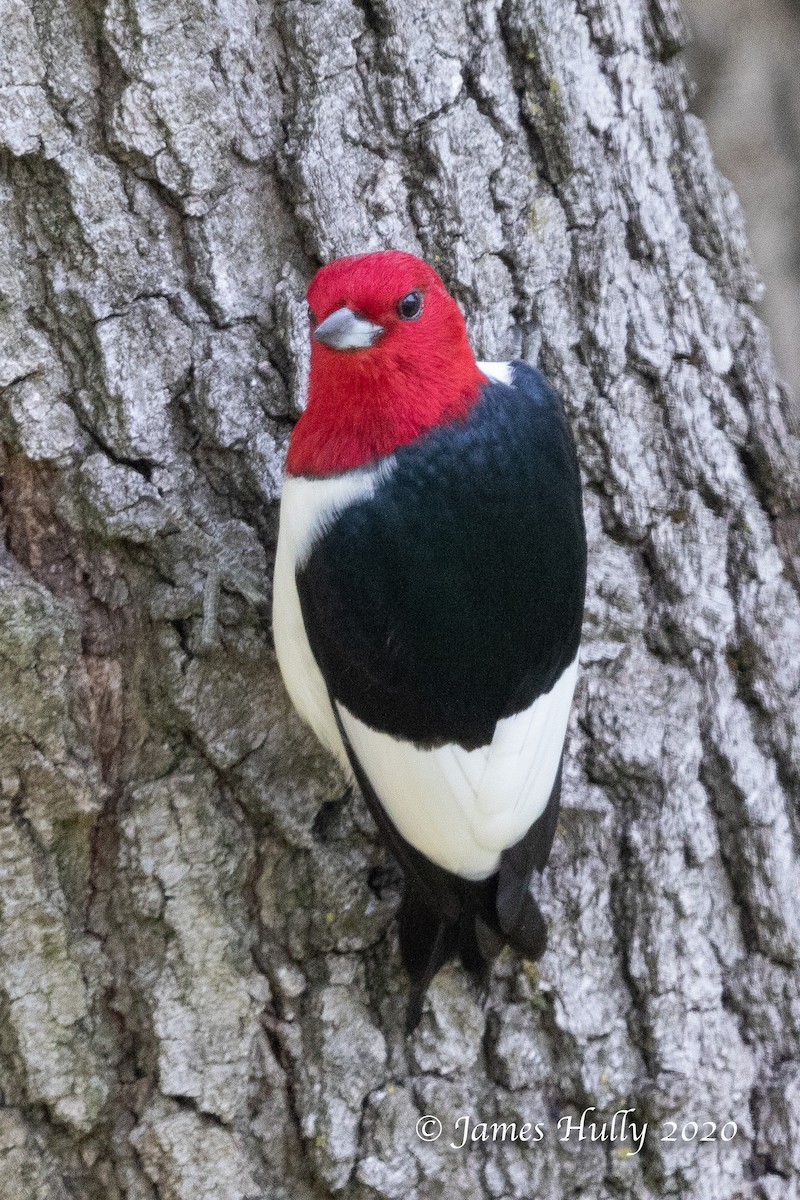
x,y
312,320
409,308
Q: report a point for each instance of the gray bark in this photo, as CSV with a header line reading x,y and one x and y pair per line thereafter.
x,y
200,992
746,61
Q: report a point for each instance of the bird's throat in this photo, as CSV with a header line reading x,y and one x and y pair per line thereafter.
x,y
354,417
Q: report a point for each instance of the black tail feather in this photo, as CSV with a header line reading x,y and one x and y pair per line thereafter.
x,y
518,913
427,941
426,944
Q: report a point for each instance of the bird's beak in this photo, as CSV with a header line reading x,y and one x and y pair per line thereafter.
x,y
343,330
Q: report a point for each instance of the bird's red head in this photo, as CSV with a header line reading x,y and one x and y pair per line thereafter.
x,y
390,358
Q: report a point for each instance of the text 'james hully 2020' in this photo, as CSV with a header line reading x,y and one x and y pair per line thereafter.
x,y
622,1127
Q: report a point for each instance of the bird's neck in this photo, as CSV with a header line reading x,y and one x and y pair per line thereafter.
x,y
356,415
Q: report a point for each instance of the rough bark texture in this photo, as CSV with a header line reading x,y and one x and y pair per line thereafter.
x,y
200,994
745,58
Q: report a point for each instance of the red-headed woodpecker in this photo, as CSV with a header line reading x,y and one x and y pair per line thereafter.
x,y
429,589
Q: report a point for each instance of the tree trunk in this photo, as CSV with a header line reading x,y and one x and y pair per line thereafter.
x,y
746,61
201,996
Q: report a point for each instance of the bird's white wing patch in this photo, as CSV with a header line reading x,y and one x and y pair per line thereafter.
x,y
307,507
462,808
501,371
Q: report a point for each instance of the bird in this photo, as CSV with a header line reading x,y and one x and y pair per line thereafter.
x,y
428,597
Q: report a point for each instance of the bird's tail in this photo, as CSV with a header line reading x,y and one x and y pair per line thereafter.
x,y
474,919
428,940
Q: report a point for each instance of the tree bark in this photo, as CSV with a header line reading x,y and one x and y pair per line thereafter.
x,y
200,993
745,59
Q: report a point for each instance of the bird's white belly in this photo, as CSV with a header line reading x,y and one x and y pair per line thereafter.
x,y
307,507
